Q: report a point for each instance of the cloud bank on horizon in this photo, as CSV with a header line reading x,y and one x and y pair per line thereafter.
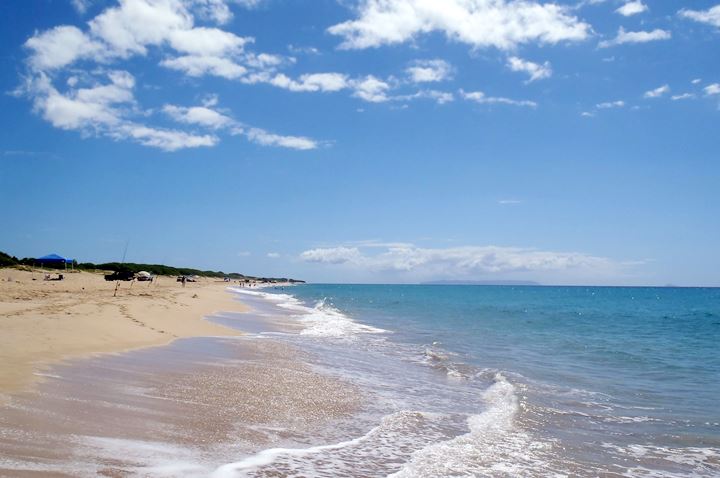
x,y
409,262
85,77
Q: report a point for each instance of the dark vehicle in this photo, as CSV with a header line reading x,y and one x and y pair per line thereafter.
x,y
120,275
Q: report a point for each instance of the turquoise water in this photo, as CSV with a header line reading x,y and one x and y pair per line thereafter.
x,y
655,347
521,381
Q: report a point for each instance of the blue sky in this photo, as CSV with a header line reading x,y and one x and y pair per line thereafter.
x,y
367,140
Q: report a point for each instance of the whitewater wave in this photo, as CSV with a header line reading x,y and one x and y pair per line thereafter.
x,y
670,462
324,320
493,446
390,441
321,320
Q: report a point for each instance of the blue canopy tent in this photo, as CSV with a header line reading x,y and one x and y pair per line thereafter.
x,y
55,260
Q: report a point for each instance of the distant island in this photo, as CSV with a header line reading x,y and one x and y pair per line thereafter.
x,y
481,282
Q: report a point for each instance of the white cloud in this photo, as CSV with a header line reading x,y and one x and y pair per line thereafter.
x,y
206,65
80,6
536,71
248,3
213,10
710,16
505,202
325,82
101,110
713,89
611,104
368,88
657,92
482,98
503,24
198,115
371,89
440,97
696,81
333,255
273,255
208,117
107,109
165,139
61,46
684,96
636,37
423,71
135,24
207,41
457,261
587,114
265,138
305,50
84,109
632,8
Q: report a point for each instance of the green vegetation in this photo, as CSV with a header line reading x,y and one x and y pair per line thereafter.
x,y
7,260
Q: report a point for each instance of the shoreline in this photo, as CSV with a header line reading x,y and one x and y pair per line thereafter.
x,y
184,409
48,322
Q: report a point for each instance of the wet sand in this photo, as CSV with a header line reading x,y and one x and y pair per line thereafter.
x,y
180,410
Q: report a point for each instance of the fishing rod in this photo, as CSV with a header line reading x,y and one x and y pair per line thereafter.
x,y
117,282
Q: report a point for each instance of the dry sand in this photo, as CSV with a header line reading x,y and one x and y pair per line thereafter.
x,y
43,322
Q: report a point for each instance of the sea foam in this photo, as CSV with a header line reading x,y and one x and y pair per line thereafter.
x,y
493,445
321,320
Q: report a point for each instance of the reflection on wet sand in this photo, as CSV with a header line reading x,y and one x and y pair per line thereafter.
x,y
181,409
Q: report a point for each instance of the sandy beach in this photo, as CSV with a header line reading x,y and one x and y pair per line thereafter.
x,y
88,389
44,322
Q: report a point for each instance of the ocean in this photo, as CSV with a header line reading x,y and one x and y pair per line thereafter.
x,y
502,380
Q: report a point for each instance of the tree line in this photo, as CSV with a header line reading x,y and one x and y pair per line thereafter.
x,y
6,260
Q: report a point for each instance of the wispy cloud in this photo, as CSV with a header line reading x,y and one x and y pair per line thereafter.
x,y
683,96
536,71
80,6
712,89
413,261
657,92
710,16
610,104
624,36
481,98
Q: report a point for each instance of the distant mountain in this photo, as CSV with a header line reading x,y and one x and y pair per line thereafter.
x,y
481,282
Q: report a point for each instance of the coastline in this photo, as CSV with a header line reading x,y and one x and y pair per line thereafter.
x,y
46,322
184,409
323,383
